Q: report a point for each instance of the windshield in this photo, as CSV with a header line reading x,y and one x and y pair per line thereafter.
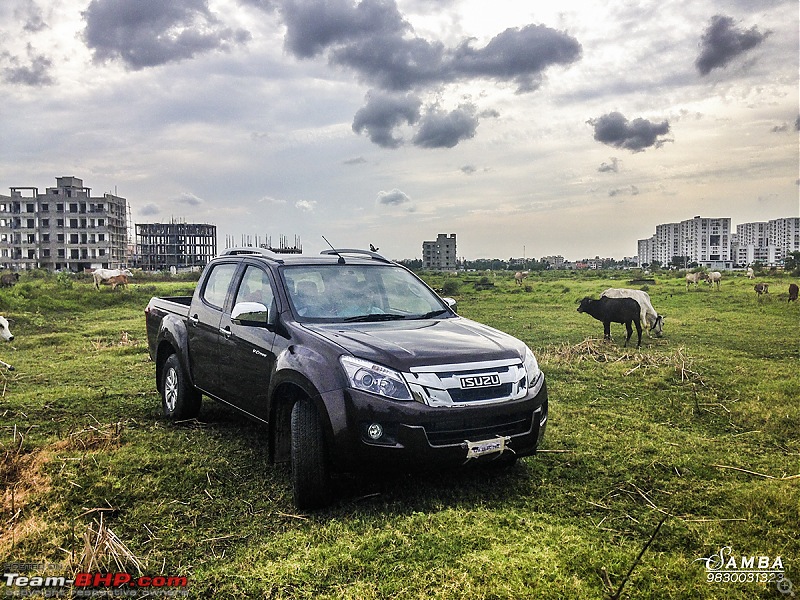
x,y
341,293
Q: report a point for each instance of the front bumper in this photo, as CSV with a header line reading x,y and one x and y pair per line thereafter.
x,y
416,436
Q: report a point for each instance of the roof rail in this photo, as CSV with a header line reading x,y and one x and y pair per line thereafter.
x,y
340,251
251,250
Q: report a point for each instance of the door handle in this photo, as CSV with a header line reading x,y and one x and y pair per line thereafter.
x,y
194,320
226,331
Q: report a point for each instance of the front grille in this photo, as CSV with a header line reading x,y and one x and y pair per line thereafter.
x,y
457,385
455,431
478,394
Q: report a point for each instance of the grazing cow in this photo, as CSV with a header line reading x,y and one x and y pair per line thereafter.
x,y
694,278
9,279
519,276
761,288
615,310
750,274
793,289
714,277
102,275
5,332
116,281
650,319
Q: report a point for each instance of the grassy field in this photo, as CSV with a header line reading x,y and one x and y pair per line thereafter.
x,y
653,458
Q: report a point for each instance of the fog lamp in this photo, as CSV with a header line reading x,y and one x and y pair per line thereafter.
x,y
375,431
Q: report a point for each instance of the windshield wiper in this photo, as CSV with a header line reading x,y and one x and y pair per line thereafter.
x,y
433,313
375,317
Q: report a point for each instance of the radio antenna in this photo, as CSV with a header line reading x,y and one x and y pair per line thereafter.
x,y
336,252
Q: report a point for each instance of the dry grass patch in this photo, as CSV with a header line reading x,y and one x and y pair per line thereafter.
x,y
93,437
104,551
601,351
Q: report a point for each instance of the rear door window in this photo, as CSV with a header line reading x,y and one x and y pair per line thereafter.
x,y
217,284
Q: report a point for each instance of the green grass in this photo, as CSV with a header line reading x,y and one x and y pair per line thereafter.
x,y
699,429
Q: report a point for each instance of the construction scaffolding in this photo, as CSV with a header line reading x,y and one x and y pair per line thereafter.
x,y
175,246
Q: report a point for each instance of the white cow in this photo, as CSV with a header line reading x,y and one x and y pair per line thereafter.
x,y
694,278
714,277
750,274
519,276
650,319
5,332
103,275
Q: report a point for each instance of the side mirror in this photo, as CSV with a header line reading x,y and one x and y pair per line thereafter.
x,y
451,303
250,313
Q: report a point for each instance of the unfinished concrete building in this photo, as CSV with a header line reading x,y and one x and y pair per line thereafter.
x,y
64,228
175,246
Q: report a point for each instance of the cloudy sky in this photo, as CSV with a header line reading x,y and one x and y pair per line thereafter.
x,y
527,128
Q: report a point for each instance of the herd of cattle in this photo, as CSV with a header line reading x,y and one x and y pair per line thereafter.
x,y
632,308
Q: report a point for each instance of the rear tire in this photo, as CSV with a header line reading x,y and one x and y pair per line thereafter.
x,y
311,481
179,400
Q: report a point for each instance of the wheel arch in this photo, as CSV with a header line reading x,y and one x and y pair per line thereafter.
x,y
287,391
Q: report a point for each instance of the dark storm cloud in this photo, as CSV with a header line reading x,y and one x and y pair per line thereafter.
x,y
615,130
394,62
722,42
35,72
374,39
440,129
147,33
519,55
314,26
382,114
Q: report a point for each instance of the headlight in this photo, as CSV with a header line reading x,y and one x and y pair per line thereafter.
x,y
531,368
376,379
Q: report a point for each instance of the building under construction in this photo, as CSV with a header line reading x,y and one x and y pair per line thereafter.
x,y
64,228
175,246
257,241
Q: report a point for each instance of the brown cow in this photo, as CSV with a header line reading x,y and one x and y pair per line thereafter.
x,y
116,281
761,288
793,289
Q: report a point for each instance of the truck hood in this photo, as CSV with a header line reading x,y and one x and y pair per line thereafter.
x,y
405,344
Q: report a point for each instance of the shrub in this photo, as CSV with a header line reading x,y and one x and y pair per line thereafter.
x,y
450,287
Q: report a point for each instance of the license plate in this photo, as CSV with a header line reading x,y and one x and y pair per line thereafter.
x,y
484,447
479,381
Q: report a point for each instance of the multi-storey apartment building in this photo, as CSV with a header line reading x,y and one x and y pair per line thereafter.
x,y
63,228
175,246
699,240
712,243
767,242
441,254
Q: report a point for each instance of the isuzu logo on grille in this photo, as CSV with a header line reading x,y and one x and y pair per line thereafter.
x,y
479,381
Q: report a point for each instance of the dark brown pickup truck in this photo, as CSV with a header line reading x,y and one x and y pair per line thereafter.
x,y
351,362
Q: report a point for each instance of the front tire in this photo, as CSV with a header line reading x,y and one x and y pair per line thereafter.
x,y
179,400
311,479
